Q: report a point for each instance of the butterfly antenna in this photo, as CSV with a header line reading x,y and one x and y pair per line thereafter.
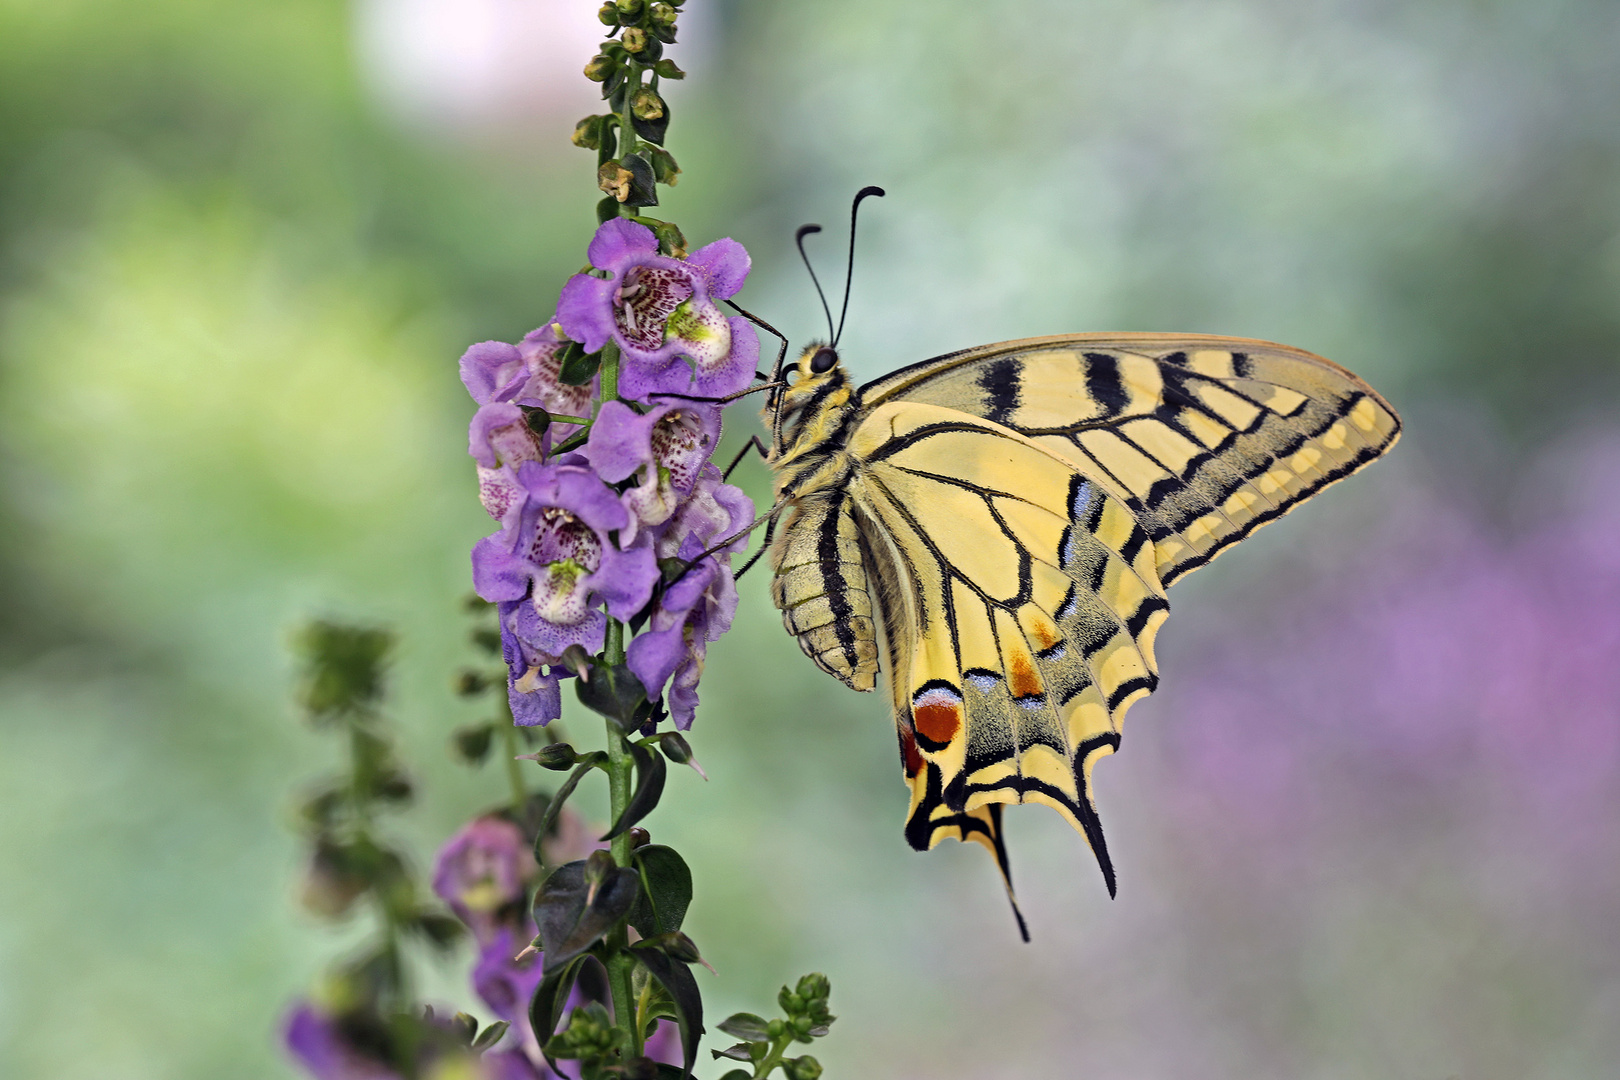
x,y
849,271
798,238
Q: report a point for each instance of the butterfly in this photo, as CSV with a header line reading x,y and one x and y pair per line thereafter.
x,y
996,529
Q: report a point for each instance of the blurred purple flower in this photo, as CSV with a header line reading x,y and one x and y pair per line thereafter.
x,y
659,309
318,1042
505,983
483,873
698,607
664,450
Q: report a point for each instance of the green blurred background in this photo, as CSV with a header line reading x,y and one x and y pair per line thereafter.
x,y
243,244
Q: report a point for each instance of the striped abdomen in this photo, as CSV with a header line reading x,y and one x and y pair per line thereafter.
x,y
820,585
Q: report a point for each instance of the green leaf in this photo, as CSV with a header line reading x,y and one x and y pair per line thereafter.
x,y
549,1001
745,1026
650,773
490,1036
735,1053
737,1074
666,890
568,925
677,979
614,691
578,365
587,762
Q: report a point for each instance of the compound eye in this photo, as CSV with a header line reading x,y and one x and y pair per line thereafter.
x,y
824,361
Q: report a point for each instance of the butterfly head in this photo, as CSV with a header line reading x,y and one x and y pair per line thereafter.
x,y
817,390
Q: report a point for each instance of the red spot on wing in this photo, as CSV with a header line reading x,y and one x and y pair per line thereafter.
x,y
910,758
937,721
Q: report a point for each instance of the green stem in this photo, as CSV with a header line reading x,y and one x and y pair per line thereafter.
x,y
627,132
514,772
774,1058
610,380
619,769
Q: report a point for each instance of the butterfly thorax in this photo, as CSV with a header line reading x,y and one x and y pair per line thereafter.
x,y
820,579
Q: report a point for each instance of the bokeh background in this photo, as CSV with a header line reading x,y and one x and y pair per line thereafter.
x,y
1369,828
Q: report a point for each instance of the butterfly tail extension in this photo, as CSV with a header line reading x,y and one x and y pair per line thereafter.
x,y
931,821
820,585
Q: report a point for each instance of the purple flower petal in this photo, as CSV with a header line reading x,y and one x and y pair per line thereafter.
x,y
585,310
619,442
535,699
489,368
576,490
724,263
655,654
499,435
626,581
497,573
617,241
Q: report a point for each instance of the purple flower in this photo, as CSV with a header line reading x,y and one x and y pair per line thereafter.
x,y
664,450
525,374
318,1042
483,873
698,607
659,309
505,983
500,439
557,553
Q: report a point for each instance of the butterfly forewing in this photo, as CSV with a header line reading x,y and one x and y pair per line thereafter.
x,y
1205,439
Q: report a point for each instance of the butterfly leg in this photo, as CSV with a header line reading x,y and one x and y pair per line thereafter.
x,y
753,443
764,546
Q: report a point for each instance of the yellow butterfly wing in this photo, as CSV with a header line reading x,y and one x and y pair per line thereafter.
x,y
1205,439
1023,507
1019,600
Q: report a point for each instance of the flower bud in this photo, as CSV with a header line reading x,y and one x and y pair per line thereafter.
x,y
802,1068
630,10
588,133
600,68
614,179
609,15
815,985
646,104
663,14
639,837
556,757
666,69
634,38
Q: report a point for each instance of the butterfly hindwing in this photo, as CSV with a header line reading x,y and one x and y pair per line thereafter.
x,y
1020,603
1204,439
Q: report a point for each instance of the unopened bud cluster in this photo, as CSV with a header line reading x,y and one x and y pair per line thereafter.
x,y
629,139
